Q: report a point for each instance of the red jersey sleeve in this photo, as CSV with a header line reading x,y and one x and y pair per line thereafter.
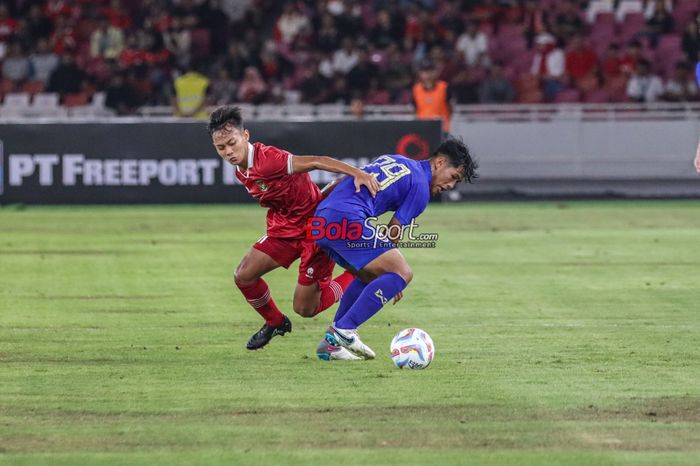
x,y
274,162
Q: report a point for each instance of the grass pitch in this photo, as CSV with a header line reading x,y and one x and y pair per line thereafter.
x,y
565,334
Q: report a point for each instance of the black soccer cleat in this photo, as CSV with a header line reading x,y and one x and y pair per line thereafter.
x,y
265,334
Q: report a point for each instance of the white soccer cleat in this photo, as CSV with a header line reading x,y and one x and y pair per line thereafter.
x,y
349,339
329,352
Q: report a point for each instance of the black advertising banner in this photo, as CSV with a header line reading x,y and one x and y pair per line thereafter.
x,y
117,163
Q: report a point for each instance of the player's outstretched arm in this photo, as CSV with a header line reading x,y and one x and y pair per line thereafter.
x,y
697,158
306,163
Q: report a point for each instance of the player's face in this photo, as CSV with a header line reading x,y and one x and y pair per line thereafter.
x,y
445,176
232,145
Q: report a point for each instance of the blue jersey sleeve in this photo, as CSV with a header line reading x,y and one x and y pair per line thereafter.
x,y
414,203
697,73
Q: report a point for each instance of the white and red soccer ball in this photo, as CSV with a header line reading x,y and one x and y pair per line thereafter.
x,y
412,348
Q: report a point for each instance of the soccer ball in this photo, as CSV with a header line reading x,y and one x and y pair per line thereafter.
x,y
412,348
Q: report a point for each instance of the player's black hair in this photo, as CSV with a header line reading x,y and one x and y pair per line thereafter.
x,y
225,115
459,156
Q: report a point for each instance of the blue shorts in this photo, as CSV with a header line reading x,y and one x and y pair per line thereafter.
x,y
351,253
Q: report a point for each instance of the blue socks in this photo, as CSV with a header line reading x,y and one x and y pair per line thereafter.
x,y
371,299
350,295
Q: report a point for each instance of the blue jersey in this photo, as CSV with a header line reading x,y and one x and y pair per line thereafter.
x,y
404,190
697,73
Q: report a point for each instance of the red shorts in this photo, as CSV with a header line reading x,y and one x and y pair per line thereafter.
x,y
315,266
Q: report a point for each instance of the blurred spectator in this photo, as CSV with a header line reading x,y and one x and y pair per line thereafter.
x,y
235,61
67,77
644,86
397,75
568,22
213,18
38,25
631,57
222,89
252,88
495,88
682,86
581,60
384,32
63,39
357,108
290,23
535,20
15,66
7,24
652,5
611,63
432,97
43,61
191,90
116,14
315,89
106,41
691,40
362,73
549,65
120,97
474,46
177,39
346,58
661,22
327,36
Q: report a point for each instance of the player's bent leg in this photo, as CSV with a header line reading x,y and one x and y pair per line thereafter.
x,y
307,299
392,274
248,279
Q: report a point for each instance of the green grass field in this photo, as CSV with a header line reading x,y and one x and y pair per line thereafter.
x,y
566,333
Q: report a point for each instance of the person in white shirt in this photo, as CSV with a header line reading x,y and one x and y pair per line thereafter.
x,y
644,86
549,65
474,46
681,87
345,58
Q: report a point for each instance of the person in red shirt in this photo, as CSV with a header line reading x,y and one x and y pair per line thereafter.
x,y
581,60
280,181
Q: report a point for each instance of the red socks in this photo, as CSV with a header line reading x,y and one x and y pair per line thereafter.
x,y
258,295
333,291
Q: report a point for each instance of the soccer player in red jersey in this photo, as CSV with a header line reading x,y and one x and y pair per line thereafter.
x,y
280,181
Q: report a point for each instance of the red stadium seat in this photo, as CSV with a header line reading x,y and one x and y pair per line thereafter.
x,y
201,43
76,100
597,96
531,97
568,96
33,87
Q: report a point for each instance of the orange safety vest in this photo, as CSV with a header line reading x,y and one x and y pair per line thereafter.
x,y
431,103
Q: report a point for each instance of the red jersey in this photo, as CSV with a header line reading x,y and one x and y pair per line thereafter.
x,y
290,197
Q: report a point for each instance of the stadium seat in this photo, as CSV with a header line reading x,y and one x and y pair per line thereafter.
x,y
632,24
45,101
46,104
629,7
568,96
16,101
531,97
597,7
33,87
75,100
597,96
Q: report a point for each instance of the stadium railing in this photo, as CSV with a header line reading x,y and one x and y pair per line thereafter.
x,y
16,111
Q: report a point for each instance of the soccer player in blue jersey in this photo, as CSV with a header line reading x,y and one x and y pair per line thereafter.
x,y
381,270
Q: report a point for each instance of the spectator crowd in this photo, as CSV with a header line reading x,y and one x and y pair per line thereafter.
x,y
327,51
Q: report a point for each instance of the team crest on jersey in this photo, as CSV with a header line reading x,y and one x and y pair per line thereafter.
x,y
261,184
